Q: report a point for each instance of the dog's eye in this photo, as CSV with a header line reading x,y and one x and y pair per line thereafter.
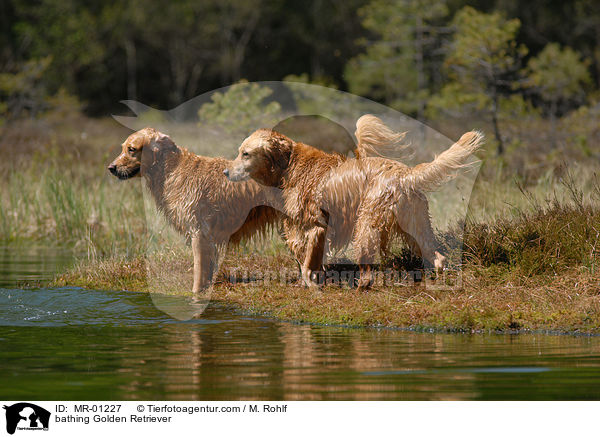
x,y
245,154
131,149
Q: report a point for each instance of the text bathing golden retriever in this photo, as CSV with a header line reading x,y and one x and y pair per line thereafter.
x,y
195,197
365,201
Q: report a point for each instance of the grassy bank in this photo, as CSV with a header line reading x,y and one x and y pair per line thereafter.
x,y
490,299
536,271
55,189
530,256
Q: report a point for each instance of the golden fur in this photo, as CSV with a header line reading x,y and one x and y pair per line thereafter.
x,y
365,201
375,137
195,197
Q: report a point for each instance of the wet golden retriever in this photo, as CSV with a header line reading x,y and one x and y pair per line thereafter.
x,y
195,197
365,201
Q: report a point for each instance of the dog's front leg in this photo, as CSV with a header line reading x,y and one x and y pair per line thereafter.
x,y
313,259
205,253
197,251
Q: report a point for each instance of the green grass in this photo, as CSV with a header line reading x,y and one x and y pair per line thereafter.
x,y
544,240
56,191
538,271
530,256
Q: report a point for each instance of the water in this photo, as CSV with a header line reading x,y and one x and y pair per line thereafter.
x,y
76,344
31,264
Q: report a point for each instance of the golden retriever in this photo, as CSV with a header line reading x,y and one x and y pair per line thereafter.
x,y
195,197
365,201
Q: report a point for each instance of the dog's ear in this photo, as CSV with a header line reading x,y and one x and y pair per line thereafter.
x,y
159,145
162,143
279,151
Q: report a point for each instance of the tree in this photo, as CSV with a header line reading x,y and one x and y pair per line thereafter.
x,y
68,32
394,68
483,63
22,92
240,109
557,76
184,39
238,24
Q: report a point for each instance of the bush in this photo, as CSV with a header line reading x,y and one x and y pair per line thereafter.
x,y
546,240
240,109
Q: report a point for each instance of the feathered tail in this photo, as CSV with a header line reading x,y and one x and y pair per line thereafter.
x,y
374,137
430,176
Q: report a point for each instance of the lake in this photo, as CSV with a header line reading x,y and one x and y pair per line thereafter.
x,y
76,344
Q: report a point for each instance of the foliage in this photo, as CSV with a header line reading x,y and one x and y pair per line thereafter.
x,y
243,103
23,92
304,78
105,51
323,102
583,129
557,74
483,63
75,37
393,67
558,77
388,50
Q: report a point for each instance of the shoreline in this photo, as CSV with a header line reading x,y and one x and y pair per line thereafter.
x,y
489,301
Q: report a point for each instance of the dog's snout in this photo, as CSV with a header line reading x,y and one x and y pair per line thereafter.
x,y
113,169
226,172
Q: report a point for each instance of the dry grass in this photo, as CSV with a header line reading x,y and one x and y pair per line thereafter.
x,y
544,240
530,260
569,303
494,297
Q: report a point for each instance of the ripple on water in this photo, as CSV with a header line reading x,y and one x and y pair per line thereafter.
x,y
70,306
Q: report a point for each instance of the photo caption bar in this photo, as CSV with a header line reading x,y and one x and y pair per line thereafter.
x,y
293,418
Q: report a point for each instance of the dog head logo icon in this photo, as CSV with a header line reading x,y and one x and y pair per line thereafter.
x,y
26,416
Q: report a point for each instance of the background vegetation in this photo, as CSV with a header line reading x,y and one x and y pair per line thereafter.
x,y
529,77
526,73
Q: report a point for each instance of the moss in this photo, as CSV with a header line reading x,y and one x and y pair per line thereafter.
x,y
487,302
530,265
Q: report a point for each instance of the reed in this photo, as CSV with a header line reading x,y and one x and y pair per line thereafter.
x,y
530,258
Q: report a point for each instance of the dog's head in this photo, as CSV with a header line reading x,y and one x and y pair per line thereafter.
x,y
264,156
140,152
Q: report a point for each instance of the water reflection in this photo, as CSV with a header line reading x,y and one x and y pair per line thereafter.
x,y
31,264
115,345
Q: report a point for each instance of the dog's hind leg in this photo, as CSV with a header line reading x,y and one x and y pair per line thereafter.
x,y
205,261
413,219
367,241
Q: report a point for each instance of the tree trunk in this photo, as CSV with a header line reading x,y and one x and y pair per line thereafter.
x,y
130,53
420,68
553,124
420,75
495,123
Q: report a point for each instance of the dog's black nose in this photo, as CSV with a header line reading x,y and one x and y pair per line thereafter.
x,y
113,169
226,172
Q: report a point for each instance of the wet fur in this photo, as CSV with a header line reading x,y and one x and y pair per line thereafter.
x,y
195,197
329,199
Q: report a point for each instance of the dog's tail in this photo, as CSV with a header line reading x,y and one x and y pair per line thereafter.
x,y
430,176
374,137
